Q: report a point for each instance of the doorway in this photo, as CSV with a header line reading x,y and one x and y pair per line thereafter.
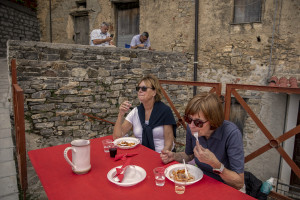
x,y
81,30
291,145
295,181
128,19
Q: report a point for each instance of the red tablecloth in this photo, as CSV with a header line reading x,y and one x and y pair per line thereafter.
x,y
60,182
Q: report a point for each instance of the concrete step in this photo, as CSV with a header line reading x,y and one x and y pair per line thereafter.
x,y
8,188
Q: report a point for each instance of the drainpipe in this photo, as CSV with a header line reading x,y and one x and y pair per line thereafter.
x,y
50,21
196,44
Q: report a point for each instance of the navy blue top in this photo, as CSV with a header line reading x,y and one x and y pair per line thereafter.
x,y
226,142
161,115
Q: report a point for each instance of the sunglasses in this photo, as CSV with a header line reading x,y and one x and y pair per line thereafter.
x,y
198,122
144,88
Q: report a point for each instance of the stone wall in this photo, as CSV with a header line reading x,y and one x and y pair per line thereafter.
x,y
61,82
16,23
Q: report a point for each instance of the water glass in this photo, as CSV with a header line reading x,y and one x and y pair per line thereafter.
x,y
159,174
180,186
106,143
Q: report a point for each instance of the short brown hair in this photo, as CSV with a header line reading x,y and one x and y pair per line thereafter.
x,y
210,105
154,83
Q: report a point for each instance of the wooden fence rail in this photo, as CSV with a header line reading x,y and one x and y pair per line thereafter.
x,y
18,106
273,142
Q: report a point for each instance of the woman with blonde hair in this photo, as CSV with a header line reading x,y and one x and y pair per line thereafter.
x,y
152,121
218,149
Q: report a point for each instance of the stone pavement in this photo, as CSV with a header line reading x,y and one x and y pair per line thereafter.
x,y
8,173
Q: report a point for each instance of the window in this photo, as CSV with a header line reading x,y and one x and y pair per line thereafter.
x,y
247,11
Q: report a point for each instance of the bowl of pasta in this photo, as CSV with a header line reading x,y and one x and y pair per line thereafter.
x,y
126,142
177,173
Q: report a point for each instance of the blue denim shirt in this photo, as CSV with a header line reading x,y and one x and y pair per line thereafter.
x,y
226,142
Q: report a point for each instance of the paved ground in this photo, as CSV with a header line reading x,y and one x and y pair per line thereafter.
x,y
8,174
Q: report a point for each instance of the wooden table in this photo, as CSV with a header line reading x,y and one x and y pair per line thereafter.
x,y
60,182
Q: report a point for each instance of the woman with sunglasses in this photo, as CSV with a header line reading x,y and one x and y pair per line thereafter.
x,y
152,121
219,149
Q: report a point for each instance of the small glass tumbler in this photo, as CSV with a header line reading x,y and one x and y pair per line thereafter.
x,y
106,143
159,174
113,150
180,186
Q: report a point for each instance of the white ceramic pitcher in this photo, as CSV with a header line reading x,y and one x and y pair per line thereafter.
x,y
80,156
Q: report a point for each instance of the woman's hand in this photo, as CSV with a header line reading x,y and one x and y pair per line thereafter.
x,y
166,156
124,107
205,155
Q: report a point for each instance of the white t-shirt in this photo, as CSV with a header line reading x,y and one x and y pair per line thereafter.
x,y
158,132
97,34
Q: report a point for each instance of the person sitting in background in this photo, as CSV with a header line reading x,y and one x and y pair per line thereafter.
x,y
141,41
152,121
219,151
101,37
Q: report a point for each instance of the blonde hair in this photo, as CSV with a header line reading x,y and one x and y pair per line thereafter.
x,y
154,83
211,107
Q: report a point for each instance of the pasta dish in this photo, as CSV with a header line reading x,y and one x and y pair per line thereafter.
x,y
179,175
128,144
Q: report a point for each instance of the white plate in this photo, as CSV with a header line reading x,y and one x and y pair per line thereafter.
x,y
127,139
193,170
132,176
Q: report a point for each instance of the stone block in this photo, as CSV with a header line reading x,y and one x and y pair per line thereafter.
x,y
124,59
66,91
9,186
44,125
67,128
85,91
41,94
79,72
72,99
42,115
7,169
66,113
70,85
44,107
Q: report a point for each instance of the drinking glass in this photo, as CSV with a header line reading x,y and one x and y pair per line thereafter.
x,y
106,143
159,174
180,186
112,150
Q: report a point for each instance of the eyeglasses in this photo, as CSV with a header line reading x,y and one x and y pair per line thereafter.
x,y
198,122
144,88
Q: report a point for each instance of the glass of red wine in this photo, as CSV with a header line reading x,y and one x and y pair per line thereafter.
x,y
113,150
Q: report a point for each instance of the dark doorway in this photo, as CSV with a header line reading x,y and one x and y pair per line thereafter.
x,y
295,181
128,19
82,30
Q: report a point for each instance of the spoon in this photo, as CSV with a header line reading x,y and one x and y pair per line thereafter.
x,y
185,170
196,136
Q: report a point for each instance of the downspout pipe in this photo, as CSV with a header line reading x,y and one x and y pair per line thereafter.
x,y
196,45
50,20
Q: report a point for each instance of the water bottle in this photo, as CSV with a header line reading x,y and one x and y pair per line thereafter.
x,y
267,186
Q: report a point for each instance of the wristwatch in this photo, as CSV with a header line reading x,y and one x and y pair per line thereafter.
x,y
219,171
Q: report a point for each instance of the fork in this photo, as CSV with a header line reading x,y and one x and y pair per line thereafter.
x,y
196,136
185,170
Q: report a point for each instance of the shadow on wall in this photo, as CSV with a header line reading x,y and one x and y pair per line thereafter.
x,y
237,113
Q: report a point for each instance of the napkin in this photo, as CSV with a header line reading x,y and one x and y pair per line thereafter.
x,y
121,171
124,156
